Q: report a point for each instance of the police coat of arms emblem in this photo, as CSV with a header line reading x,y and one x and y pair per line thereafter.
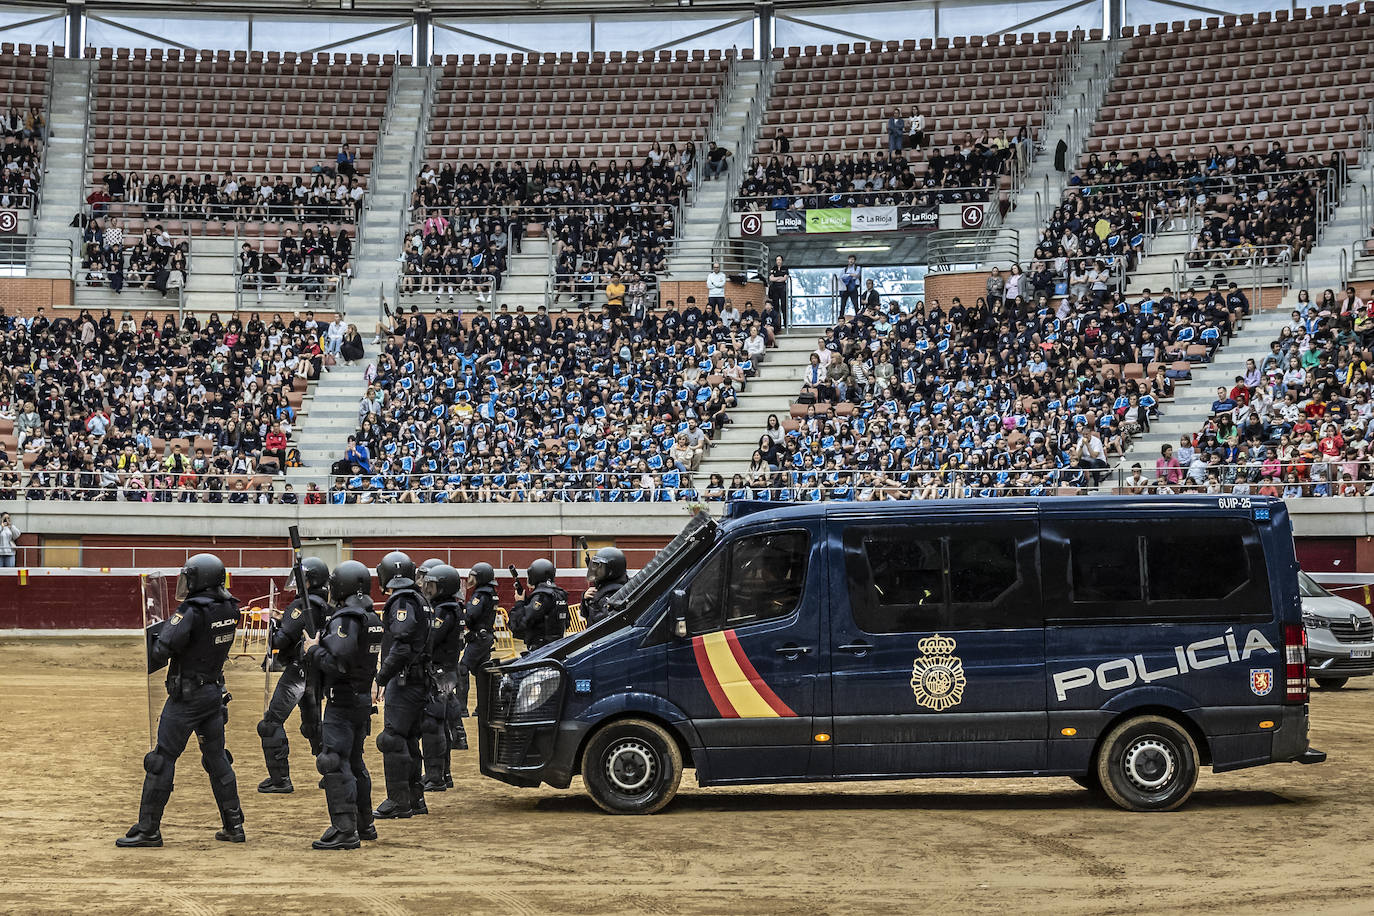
x,y
937,677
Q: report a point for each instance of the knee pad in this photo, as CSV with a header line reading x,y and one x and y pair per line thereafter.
x,y
266,729
389,742
153,762
327,762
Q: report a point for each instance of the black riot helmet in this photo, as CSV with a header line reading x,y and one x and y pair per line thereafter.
x,y
202,573
482,574
442,582
607,566
540,571
424,569
396,571
348,579
316,573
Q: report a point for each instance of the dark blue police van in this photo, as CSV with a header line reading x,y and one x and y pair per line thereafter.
x,y
1124,642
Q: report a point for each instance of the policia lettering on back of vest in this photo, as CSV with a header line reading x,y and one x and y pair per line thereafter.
x,y
300,619
194,643
443,726
540,616
344,659
403,677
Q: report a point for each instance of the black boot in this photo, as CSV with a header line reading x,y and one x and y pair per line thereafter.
x,y
233,826
389,810
448,780
367,833
435,784
334,838
140,836
270,786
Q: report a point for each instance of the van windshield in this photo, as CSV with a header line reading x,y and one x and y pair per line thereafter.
x,y
690,544
1310,587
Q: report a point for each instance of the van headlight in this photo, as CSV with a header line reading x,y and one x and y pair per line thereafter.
x,y
1313,622
536,690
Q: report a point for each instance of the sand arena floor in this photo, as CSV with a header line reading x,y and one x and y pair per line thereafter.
x,y
73,730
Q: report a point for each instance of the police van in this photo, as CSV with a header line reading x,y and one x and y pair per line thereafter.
x,y
1123,642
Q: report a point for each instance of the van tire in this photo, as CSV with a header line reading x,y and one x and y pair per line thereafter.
x,y
1148,763
632,766
1331,683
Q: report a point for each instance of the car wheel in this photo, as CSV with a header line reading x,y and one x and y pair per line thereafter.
x,y
632,766
1331,683
1148,763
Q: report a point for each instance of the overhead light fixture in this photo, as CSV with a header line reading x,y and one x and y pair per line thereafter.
x,y
852,248
345,4
684,2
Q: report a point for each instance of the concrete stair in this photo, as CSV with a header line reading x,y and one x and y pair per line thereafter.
x,y
64,179
375,267
330,412
703,219
1080,103
330,416
772,391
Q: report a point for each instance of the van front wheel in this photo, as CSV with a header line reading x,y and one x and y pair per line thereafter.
x,y
1148,763
632,766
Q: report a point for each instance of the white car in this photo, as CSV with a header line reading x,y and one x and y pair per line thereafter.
x,y
1340,636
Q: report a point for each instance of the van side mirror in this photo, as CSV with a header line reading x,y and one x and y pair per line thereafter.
x,y
679,610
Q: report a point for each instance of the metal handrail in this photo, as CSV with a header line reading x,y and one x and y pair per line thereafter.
x,y
450,280
20,255
335,213
758,203
332,287
948,249
22,200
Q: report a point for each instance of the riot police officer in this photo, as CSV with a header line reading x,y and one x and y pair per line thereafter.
x,y
404,676
344,659
301,618
605,576
541,617
440,730
422,571
194,643
478,622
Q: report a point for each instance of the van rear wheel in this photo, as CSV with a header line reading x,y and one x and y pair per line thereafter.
x,y
1331,683
632,766
1148,763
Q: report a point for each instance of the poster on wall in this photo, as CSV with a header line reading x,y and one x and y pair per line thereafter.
x,y
873,219
830,220
790,221
927,217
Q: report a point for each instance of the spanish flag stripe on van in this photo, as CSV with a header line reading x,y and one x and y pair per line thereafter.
x,y
709,677
734,684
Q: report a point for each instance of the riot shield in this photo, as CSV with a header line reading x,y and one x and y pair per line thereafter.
x,y
154,603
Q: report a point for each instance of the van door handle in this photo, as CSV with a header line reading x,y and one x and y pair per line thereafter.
x,y
858,648
792,651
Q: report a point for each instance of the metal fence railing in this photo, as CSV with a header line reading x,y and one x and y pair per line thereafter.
x,y
948,250
26,256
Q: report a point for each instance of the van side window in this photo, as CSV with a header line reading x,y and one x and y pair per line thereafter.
x,y
758,577
1106,563
1146,570
907,580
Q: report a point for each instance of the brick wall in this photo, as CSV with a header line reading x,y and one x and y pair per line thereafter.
x,y
968,286
23,295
